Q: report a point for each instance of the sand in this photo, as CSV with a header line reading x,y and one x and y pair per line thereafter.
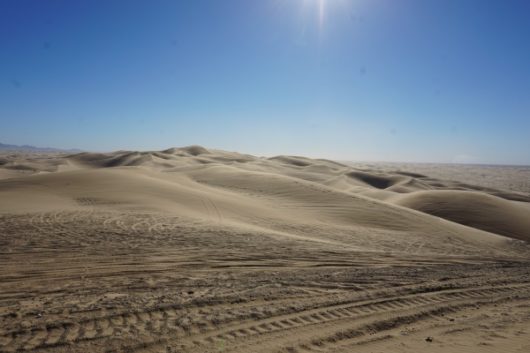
x,y
199,250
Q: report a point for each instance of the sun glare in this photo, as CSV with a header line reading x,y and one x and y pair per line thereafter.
x,y
321,8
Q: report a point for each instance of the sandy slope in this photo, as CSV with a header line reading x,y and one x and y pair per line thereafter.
x,y
474,209
199,250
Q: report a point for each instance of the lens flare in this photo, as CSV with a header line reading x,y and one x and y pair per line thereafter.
x,y
321,8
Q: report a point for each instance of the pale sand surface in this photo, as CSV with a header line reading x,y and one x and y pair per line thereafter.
x,y
196,250
514,178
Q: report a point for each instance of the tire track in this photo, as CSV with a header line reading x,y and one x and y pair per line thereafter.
x,y
243,325
345,337
347,312
238,308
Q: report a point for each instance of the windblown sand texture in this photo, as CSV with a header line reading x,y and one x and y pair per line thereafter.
x,y
197,250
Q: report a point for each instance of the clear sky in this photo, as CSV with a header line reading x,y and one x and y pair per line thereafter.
x,y
391,80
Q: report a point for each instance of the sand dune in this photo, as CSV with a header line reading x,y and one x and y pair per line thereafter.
x,y
284,194
474,209
199,250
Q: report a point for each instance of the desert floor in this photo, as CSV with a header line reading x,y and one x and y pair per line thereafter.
x,y
196,250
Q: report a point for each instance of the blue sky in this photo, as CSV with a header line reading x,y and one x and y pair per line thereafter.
x,y
390,80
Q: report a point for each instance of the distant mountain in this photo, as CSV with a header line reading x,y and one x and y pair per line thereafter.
x,y
28,148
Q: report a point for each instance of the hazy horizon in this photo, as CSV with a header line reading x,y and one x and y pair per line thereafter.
x,y
394,81
353,161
